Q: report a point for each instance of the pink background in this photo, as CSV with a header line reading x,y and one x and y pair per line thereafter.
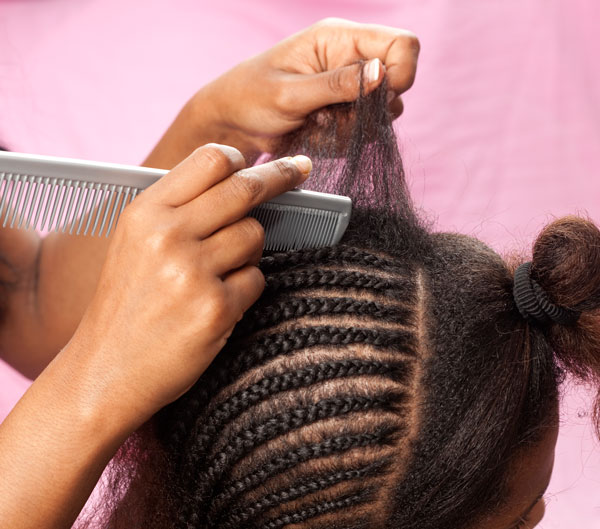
x,y
501,130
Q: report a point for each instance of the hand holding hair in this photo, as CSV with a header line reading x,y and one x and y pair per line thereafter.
x,y
271,94
179,273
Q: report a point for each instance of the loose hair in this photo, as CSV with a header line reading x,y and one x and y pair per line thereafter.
x,y
386,382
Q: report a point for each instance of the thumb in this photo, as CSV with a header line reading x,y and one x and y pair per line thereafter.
x,y
341,85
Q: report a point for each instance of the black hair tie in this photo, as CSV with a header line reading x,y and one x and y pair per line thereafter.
x,y
533,302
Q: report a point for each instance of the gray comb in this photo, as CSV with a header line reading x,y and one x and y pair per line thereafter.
x,y
83,197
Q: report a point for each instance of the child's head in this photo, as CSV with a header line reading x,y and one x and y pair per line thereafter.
x,y
390,381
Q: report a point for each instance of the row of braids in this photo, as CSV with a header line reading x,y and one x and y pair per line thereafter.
x,y
307,417
326,379
389,381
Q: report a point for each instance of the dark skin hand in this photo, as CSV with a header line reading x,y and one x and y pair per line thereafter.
x,y
56,276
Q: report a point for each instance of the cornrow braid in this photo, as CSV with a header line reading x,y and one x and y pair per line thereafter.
x,y
338,445
303,377
284,422
315,484
228,366
261,441
303,279
335,255
208,468
281,311
270,345
234,360
346,501
311,400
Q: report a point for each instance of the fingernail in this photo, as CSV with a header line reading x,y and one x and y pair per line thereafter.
x,y
372,70
303,163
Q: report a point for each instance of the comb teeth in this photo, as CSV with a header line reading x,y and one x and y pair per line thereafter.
x,y
294,227
59,204
84,197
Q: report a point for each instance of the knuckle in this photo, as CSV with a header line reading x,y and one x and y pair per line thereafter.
x,y
157,241
180,278
412,47
213,156
162,235
176,272
134,214
413,41
338,83
288,171
283,99
259,277
248,185
253,231
217,306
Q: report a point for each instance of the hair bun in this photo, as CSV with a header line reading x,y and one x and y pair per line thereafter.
x,y
566,264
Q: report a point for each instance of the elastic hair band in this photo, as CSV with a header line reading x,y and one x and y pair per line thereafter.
x,y
534,304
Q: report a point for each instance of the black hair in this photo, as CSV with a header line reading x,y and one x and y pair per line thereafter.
x,y
389,381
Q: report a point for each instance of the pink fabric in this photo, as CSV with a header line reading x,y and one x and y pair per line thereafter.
x,y
500,132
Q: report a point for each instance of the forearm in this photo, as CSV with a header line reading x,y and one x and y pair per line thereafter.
x,y
55,444
55,280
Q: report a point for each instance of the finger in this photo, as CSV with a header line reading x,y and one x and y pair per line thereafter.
x,y
341,85
245,286
232,199
396,107
201,170
234,246
398,49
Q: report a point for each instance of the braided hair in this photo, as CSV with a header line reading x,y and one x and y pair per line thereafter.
x,y
387,382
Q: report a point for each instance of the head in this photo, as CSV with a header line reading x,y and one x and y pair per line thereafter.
x,y
387,382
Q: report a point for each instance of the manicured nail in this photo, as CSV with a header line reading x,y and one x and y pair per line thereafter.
x,y
372,70
303,163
